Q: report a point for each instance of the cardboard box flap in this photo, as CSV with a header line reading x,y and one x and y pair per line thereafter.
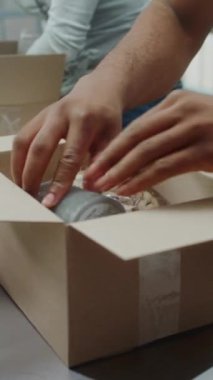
x,y
18,206
186,187
30,79
149,232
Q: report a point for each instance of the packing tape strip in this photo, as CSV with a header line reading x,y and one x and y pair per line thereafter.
x,y
159,304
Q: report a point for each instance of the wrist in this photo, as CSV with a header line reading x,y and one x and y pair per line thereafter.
x,y
114,82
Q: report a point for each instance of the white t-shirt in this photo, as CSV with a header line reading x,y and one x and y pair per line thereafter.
x,y
85,31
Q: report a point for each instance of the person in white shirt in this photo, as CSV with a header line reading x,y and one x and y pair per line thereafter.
x,y
85,31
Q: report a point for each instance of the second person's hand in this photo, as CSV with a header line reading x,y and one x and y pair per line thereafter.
x,y
173,138
88,119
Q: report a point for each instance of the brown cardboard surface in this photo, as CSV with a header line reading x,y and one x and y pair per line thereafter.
x,y
13,117
18,206
8,47
28,84
186,188
30,79
103,301
80,284
33,271
93,322
154,231
196,306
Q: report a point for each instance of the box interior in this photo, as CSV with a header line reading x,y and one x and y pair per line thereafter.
x,y
80,284
160,230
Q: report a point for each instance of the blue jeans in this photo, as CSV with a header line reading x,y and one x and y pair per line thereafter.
x,y
131,115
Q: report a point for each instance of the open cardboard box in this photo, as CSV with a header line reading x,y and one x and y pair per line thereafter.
x,y
105,286
28,84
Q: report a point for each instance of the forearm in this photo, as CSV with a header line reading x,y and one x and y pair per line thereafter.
x,y
153,55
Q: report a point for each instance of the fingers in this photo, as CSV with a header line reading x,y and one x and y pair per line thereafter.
x,y
21,146
177,163
79,139
141,129
83,130
143,154
40,153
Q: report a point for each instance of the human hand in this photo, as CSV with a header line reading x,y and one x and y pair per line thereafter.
x,y
174,138
88,118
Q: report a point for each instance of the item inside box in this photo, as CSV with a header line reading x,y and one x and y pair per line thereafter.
x,y
141,201
80,204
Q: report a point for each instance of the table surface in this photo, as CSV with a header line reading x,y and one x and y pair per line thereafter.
x,y
24,355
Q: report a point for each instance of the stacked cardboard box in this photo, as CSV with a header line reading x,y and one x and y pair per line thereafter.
x,y
28,84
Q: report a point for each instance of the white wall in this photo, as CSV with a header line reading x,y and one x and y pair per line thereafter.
x,y
8,4
199,75
14,21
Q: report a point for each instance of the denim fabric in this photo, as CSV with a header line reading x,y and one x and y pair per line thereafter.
x,y
131,115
